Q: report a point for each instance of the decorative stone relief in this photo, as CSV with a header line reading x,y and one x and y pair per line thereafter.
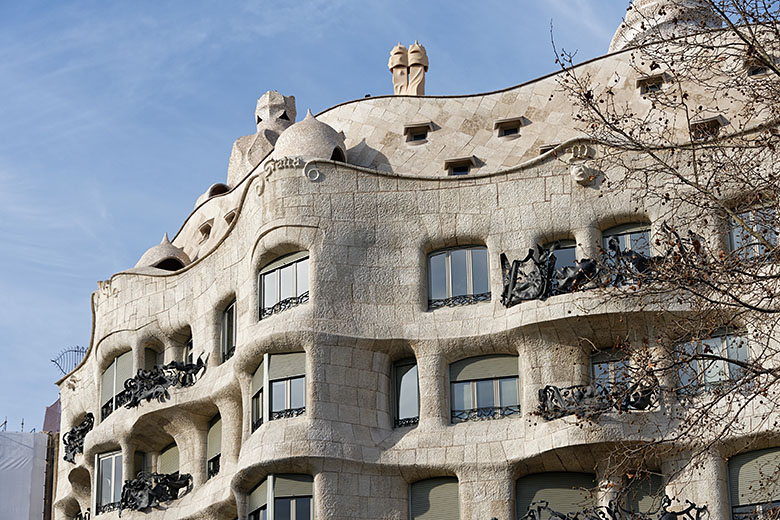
x,y
273,165
408,69
579,170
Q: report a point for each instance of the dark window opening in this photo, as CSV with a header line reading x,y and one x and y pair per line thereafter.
x,y
509,130
460,170
338,155
258,120
169,264
284,116
419,136
218,189
757,70
706,129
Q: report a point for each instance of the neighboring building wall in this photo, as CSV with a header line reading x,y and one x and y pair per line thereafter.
x,y
22,475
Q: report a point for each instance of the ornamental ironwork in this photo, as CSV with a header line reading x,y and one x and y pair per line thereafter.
x,y
407,421
536,276
73,441
287,413
484,414
82,515
119,400
594,399
105,508
613,511
464,299
283,305
149,490
154,383
212,466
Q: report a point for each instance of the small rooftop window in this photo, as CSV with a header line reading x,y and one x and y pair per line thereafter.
x,y
418,132
230,216
460,165
205,230
547,148
650,84
508,127
707,128
218,189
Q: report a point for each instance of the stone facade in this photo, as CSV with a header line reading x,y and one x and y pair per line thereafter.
x,y
369,205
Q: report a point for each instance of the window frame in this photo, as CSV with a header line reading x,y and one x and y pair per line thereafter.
x,y
118,399
698,381
288,410
627,230
613,359
228,314
275,267
497,411
189,353
449,299
115,456
213,464
399,422
268,510
752,250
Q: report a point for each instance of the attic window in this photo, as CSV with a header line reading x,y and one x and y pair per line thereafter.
x,y
230,216
418,132
508,127
547,148
218,189
460,165
756,67
205,230
169,264
284,116
258,120
338,155
707,128
650,84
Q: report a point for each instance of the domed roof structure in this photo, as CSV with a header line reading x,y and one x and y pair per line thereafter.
x,y
653,20
164,256
311,139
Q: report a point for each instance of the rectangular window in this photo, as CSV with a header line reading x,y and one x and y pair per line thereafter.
x,y
109,479
229,331
634,237
484,387
284,284
188,353
697,372
758,237
407,397
610,367
213,446
112,392
458,277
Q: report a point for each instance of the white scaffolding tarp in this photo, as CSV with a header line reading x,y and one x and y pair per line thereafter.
x,y
22,475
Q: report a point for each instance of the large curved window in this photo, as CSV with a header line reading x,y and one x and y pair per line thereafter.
x,y
564,492
112,389
407,393
434,499
754,490
484,387
284,284
634,237
282,497
697,372
458,277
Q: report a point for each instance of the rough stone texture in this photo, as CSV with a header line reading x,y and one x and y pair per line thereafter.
x,y
368,226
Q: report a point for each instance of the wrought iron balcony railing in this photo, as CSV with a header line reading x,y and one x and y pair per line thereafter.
x,y
407,421
756,511
483,414
116,402
540,510
212,467
73,441
228,353
287,303
464,299
149,490
105,508
594,399
287,413
154,383
82,515
257,424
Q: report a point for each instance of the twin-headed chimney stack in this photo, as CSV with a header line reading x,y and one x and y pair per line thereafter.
x,y
408,68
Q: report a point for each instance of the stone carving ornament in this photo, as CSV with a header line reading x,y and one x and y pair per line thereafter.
x,y
579,170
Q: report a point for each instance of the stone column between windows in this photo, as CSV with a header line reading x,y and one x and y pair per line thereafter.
x,y
128,460
230,412
609,485
704,483
195,461
325,493
588,240
138,358
434,401
172,352
486,492
211,337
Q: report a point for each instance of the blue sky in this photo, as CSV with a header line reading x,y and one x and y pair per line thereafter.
x,y
115,116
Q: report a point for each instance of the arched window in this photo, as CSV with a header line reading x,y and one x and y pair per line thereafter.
x,y
434,499
484,387
407,393
282,497
565,252
213,446
458,277
564,492
284,283
754,489
112,388
152,358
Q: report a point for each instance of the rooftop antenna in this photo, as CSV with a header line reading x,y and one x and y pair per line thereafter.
x,y
4,425
69,359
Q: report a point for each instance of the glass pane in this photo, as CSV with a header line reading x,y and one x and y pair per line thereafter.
x,y
302,508
117,478
302,273
106,473
714,370
485,394
620,370
737,349
620,239
601,373
437,273
270,288
508,389
282,508
565,256
407,392
257,409
479,270
459,272
640,242
287,281
228,330
278,396
461,396
298,392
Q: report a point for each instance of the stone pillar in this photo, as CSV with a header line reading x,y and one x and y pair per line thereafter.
x,y
326,496
434,401
128,460
487,492
418,66
230,412
703,483
588,241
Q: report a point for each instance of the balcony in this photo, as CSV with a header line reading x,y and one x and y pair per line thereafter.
x,y
154,383
539,510
149,490
484,414
406,422
73,441
287,413
287,303
589,401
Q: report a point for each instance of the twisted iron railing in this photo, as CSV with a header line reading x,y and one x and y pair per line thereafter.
x,y
73,441
287,303
82,515
149,490
212,466
118,401
154,383
613,511
69,358
594,399
287,413
465,299
407,421
485,413
105,508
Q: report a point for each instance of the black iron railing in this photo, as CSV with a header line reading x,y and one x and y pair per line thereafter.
x,y
484,413
154,383
82,515
613,511
287,303
105,508
73,441
756,511
212,467
117,401
257,424
152,489
227,354
465,299
407,421
591,400
287,413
